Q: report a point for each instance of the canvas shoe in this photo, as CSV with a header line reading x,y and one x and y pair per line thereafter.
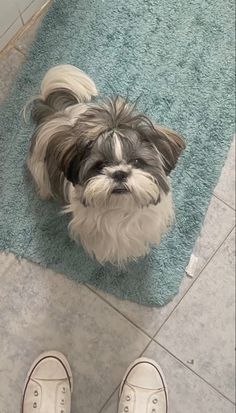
x,y
143,389
48,386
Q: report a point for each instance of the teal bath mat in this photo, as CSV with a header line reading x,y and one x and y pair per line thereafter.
x,y
177,55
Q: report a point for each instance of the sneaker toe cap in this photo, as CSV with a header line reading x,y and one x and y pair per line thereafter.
x,y
145,375
49,369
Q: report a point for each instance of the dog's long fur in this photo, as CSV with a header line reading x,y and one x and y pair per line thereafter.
x,y
106,162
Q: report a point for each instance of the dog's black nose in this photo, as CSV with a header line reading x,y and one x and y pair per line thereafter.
x,y
120,176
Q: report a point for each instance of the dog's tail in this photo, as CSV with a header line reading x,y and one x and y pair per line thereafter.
x,y
62,86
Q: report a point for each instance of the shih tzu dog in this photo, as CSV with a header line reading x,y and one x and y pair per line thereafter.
x,y
107,163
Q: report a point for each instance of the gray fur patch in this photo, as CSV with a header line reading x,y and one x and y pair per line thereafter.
x,y
57,101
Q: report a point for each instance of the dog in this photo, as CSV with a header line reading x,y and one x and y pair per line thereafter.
x,y
106,162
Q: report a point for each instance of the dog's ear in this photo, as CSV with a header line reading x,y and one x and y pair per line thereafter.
x,y
71,164
65,151
72,158
169,144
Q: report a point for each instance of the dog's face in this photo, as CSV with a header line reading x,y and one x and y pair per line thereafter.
x,y
119,166
117,155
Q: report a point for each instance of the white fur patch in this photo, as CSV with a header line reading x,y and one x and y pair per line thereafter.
x,y
122,231
71,78
118,148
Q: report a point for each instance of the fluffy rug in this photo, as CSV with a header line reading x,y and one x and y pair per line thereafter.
x,y
176,54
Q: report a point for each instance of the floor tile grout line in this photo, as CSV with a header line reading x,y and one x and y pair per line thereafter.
x,y
21,18
224,202
18,50
175,307
119,312
117,387
9,27
109,398
26,26
145,348
193,371
194,281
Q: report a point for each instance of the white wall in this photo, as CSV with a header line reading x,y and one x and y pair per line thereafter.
x,y
14,14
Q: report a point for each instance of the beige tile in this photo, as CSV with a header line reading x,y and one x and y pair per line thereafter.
x,y
225,188
23,4
10,62
10,33
8,15
41,310
201,330
187,392
26,37
33,8
219,221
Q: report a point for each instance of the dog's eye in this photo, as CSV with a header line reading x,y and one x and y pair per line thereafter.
x,y
138,163
100,165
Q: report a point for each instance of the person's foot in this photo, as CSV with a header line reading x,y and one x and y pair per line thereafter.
x,y
143,389
48,386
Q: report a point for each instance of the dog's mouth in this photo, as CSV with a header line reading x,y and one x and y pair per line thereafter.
x,y
120,190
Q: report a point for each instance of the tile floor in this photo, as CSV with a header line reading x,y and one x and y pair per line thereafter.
x,y
192,337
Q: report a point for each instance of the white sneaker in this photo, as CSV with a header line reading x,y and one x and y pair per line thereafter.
x,y
143,389
48,386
